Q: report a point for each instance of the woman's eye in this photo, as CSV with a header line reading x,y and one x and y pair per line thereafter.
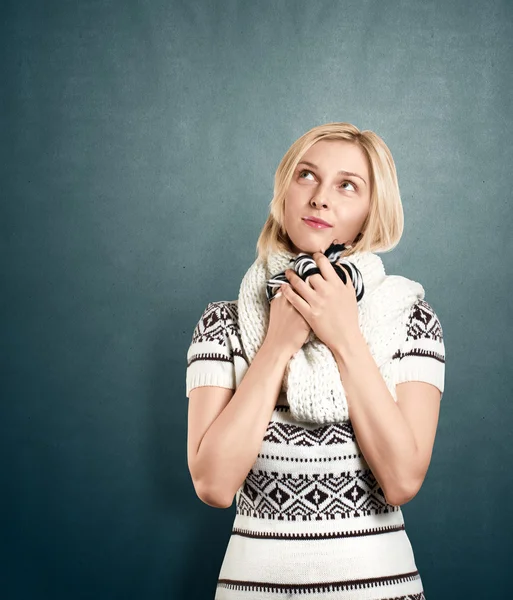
x,y
350,183
304,171
310,173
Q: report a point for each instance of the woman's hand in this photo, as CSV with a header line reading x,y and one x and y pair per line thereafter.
x,y
287,327
327,304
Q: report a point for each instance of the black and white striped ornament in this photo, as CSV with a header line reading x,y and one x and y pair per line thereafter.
x,y
304,265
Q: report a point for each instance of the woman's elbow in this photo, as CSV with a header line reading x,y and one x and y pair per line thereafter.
x,y
212,497
401,496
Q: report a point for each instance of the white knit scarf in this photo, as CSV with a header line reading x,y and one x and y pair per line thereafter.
x,y
312,379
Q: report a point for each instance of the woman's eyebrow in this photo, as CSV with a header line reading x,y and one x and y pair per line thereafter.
x,y
305,162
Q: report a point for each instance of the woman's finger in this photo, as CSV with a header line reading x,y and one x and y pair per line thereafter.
x,y
302,288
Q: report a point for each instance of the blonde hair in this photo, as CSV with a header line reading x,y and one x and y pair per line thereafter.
x,y
383,227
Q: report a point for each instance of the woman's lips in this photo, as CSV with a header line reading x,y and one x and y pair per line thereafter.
x,y
315,225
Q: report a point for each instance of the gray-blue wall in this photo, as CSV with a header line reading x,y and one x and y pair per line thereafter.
x,y
139,141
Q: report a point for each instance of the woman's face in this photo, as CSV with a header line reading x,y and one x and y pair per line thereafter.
x,y
319,189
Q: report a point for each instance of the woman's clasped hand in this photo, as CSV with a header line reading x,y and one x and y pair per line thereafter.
x,y
327,304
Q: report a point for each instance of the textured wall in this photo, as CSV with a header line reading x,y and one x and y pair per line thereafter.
x,y
139,144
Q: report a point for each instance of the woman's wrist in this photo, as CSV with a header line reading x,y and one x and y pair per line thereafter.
x,y
276,349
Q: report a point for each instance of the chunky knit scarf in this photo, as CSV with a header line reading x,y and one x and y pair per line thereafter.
x,y
312,379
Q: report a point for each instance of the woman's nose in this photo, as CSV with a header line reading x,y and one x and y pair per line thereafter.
x,y
315,203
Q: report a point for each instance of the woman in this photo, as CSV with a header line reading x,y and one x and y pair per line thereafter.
x,y
314,397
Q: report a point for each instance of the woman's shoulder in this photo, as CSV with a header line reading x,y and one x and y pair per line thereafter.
x,y
221,316
421,356
214,347
226,309
423,322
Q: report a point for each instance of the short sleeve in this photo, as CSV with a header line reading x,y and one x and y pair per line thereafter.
x,y
210,357
422,354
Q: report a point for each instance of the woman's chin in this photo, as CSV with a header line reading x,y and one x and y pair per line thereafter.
x,y
317,246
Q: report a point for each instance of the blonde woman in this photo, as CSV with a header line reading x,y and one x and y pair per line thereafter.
x,y
314,396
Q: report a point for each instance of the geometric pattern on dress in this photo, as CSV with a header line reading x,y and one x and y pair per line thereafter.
x,y
217,322
423,323
231,314
306,459
210,327
292,435
270,495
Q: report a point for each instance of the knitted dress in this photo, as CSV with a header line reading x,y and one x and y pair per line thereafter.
x,y
310,516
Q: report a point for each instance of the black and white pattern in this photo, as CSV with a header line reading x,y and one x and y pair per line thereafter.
x,y
305,265
310,517
217,326
424,323
321,589
211,326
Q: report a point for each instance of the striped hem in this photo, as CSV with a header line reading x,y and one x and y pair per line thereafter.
x,y
319,587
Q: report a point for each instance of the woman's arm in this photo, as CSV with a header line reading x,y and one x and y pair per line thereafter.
x,y
231,444
386,436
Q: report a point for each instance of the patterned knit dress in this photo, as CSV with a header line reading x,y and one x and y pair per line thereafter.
x,y
310,516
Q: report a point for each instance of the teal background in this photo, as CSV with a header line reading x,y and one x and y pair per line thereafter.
x,y
139,141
